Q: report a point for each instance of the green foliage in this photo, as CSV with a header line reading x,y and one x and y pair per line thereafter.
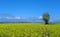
x,y
28,30
46,16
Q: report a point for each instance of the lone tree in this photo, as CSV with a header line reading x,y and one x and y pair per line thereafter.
x,y
46,17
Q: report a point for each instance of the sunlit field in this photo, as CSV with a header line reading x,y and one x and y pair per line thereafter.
x,y
29,30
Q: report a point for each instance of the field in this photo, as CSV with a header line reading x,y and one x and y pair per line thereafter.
x,y
29,30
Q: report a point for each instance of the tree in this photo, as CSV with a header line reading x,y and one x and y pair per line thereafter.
x,y
46,18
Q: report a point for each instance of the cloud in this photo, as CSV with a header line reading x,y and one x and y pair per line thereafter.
x,y
40,17
17,17
13,17
7,17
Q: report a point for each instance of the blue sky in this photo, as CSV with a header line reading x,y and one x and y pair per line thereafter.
x,y
29,8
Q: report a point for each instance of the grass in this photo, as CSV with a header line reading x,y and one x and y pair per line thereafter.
x,y
29,29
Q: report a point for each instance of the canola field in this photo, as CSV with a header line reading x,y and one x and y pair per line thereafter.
x,y
29,30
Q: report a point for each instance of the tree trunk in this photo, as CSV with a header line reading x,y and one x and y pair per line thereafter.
x,y
46,21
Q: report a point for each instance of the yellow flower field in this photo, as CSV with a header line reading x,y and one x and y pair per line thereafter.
x,y
29,30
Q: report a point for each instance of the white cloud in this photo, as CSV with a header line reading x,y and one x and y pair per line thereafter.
x,y
7,17
40,17
13,17
17,17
